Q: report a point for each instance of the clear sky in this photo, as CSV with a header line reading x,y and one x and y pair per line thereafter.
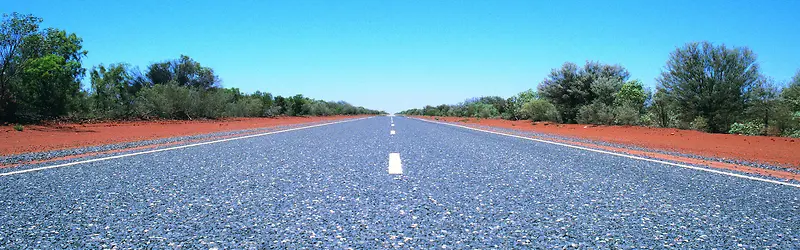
x,y
395,55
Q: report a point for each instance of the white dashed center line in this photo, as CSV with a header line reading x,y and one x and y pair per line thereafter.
x,y
395,166
391,132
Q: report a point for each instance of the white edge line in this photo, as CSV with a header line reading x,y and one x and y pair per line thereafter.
x,y
171,148
623,155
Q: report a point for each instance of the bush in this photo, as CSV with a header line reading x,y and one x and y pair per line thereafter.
x,y
596,113
699,123
794,133
749,128
626,115
483,110
540,110
18,127
272,111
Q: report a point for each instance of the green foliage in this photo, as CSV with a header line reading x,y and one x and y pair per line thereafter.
x,y
483,110
41,70
663,110
699,123
516,102
631,93
19,127
627,114
711,82
540,110
183,71
112,91
596,113
570,88
749,128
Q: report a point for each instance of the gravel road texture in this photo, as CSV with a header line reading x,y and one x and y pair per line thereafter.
x,y
328,186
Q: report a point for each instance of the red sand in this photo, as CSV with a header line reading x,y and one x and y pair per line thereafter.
x,y
38,138
763,149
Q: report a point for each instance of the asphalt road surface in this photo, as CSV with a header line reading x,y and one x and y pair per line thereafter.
x,y
330,187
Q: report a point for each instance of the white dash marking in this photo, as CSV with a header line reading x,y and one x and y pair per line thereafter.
x,y
395,166
392,124
391,132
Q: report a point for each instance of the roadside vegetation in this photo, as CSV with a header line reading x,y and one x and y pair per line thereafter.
x,y
41,75
705,87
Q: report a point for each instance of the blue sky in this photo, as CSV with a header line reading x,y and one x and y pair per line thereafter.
x,y
395,55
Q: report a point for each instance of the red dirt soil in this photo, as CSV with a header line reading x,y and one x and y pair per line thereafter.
x,y
38,138
763,149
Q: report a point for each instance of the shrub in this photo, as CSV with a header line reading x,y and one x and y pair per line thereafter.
x,y
18,127
699,123
540,110
626,115
749,128
484,110
794,133
272,111
647,120
596,113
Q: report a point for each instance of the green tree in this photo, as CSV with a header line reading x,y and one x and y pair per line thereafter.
x,y
483,110
631,93
516,102
183,71
570,88
763,103
711,82
112,91
14,30
49,85
280,103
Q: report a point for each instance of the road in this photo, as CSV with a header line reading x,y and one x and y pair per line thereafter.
x,y
329,186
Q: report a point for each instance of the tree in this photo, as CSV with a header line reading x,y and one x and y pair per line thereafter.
x,y
662,109
497,102
515,103
791,94
50,81
711,82
790,103
631,93
483,110
763,103
570,88
295,105
183,71
112,90
14,30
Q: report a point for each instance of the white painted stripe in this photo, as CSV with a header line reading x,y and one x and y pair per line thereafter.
x,y
392,124
624,155
391,132
170,148
395,166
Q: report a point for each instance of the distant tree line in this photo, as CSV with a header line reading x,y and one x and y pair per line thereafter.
x,y
705,87
41,73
